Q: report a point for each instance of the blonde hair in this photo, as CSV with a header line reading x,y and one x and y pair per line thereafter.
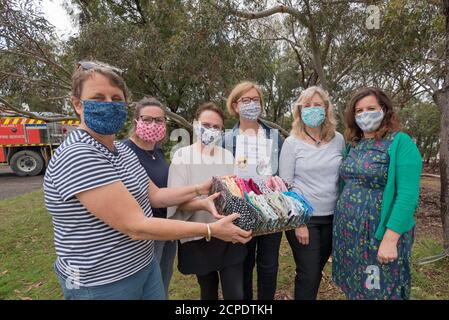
x,y
238,91
328,127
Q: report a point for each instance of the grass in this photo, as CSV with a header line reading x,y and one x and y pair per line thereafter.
x,y
27,256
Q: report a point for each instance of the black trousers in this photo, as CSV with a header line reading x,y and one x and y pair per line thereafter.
x,y
265,251
231,283
310,259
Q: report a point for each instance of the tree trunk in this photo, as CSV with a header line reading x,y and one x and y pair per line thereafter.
x,y
442,98
443,102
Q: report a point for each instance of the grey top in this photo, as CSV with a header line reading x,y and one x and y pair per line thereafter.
x,y
189,167
313,171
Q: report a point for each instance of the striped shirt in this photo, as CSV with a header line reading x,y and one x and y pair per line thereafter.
x,y
90,252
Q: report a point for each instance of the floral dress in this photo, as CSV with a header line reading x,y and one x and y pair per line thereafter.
x,y
355,268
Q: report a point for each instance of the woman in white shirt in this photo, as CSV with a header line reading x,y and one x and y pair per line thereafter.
x,y
210,260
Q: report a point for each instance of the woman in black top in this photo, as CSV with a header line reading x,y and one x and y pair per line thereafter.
x,y
147,131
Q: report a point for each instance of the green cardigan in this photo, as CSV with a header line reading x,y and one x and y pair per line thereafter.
x,y
401,193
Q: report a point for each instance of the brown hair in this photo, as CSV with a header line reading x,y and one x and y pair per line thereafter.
x,y
329,125
390,122
139,105
80,75
211,107
238,91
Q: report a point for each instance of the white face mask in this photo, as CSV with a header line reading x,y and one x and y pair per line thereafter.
x,y
369,121
250,111
206,135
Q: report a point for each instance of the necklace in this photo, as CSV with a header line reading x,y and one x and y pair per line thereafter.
x,y
317,142
152,154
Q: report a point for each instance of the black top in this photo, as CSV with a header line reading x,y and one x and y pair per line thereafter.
x,y
201,257
156,167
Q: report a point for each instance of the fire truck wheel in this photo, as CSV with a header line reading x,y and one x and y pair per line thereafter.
x,y
26,163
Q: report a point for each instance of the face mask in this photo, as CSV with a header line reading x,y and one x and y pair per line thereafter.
x,y
250,111
150,132
105,117
369,121
313,116
207,135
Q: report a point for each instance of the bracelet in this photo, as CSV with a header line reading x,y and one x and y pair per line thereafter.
x,y
209,233
197,190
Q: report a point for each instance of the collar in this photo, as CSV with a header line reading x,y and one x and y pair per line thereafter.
x,y
265,127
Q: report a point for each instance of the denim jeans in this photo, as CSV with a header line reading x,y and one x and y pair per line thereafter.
x,y
165,252
145,284
263,250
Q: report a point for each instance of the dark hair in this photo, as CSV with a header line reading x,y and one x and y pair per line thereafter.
x,y
139,105
211,107
389,123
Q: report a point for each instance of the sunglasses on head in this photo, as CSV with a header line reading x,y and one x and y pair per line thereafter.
x,y
88,65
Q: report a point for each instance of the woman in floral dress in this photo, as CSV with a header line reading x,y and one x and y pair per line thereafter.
x,y
373,224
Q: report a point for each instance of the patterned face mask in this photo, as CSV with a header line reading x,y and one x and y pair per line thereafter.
x,y
250,111
207,135
313,116
104,117
150,132
369,121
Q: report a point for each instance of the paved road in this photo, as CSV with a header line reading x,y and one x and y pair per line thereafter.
x,y
12,185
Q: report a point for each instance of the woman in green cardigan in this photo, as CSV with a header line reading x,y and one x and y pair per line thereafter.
x,y
373,223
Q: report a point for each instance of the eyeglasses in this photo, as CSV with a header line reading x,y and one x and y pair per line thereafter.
x,y
88,65
247,100
148,119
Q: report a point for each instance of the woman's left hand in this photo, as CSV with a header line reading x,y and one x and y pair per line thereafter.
x,y
209,205
205,186
388,249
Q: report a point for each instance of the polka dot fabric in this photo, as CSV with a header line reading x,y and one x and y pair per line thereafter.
x,y
265,213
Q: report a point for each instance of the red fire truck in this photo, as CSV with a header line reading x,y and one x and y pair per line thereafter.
x,y
26,144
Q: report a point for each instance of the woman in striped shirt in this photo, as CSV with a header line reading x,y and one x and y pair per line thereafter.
x,y
100,200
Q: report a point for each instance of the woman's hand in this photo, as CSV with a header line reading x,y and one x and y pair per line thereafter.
x,y
388,249
204,187
209,205
225,230
302,234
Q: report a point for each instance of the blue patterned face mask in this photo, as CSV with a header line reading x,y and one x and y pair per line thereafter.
x,y
369,121
105,117
313,116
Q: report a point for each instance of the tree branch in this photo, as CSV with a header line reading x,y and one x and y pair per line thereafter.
x,y
275,126
34,116
431,84
43,82
251,15
30,55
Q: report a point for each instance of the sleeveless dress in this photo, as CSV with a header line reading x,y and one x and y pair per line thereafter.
x,y
355,268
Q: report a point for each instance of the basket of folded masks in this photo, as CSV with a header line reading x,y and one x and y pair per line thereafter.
x,y
265,204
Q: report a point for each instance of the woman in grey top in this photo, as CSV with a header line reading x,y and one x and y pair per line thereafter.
x,y
309,161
